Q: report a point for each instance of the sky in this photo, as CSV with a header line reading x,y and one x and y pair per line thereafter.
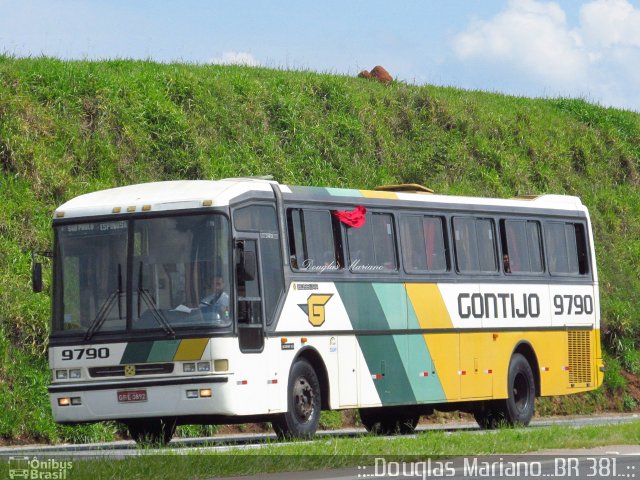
x,y
580,49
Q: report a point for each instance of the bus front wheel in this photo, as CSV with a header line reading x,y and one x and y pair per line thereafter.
x,y
303,404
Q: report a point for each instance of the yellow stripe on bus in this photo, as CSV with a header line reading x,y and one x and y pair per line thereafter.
x,y
429,306
191,349
432,312
379,194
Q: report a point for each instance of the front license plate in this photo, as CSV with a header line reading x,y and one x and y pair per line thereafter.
x,y
132,395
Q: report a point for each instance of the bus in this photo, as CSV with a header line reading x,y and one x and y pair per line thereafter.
x,y
245,300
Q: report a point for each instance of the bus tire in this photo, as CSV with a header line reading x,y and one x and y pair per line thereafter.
x,y
152,432
519,406
303,404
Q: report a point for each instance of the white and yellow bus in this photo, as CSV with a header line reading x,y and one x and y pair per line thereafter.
x,y
394,301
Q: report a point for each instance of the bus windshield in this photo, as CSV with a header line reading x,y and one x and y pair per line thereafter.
x,y
165,273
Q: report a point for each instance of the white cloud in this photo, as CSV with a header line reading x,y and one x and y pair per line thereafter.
x,y
235,58
608,23
531,43
530,36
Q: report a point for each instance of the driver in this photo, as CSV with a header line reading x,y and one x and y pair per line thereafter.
x,y
216,301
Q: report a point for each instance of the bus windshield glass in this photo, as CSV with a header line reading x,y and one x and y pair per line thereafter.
x,y
162,273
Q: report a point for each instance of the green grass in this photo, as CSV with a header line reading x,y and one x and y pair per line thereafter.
x,y
67,128
348,452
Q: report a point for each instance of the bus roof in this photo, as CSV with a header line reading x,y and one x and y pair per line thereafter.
x,y
190,194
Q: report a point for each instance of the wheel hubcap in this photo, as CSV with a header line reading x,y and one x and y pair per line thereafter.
x,y
303,399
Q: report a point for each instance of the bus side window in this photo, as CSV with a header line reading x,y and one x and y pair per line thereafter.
x,y
372,246
486,245
423,244
566,248
263,219
521,246
534,242
414,250
314,240
475,245
465,245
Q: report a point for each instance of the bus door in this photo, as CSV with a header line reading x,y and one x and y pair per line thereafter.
x,y
255,361
249,308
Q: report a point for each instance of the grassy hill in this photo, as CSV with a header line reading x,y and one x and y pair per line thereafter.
x,y
68,128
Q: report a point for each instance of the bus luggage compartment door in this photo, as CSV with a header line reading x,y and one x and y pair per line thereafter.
x,y
347,370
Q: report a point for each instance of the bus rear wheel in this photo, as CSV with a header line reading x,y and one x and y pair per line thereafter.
x,y
152,432
519,406
383,421
303,404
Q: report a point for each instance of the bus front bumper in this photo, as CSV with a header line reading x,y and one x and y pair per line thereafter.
x,y
158,397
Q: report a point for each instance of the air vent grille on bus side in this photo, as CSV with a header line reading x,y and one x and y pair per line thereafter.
x,y
579,357
144,369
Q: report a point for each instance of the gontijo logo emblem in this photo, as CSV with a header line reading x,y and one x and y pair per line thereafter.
x,y
314,308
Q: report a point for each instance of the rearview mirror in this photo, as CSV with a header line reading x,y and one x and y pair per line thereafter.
x,y
36,277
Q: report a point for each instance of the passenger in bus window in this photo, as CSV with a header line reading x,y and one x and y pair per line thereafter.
x,y
215,305
506,263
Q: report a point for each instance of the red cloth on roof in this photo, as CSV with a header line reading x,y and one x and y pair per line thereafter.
x,y
354,218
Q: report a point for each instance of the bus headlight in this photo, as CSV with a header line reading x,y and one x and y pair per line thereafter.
x,y
62,374
75,373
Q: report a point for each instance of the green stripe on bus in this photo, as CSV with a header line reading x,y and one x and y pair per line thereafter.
x,y
324,192
136,352
426,388
163,351
344,192
413,349
313,192
384,358
393,300
363,307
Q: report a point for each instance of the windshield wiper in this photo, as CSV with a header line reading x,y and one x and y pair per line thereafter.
x,y
148,300
106,307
